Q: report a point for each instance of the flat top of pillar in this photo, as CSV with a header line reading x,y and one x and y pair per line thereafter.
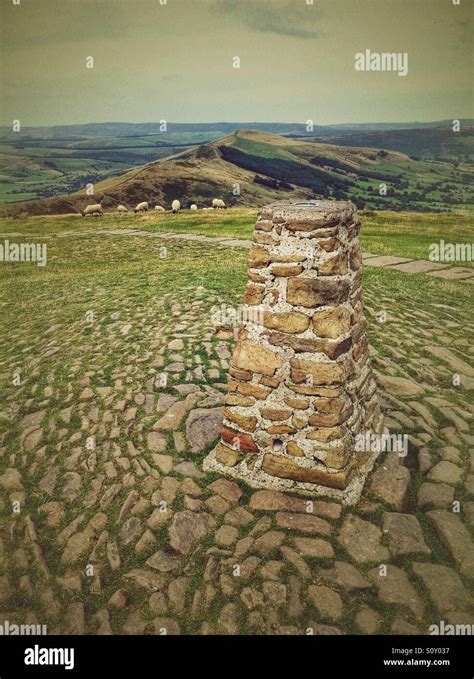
x,y
309,210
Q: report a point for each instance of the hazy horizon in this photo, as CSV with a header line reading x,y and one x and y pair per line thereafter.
x,y
174,62
348,123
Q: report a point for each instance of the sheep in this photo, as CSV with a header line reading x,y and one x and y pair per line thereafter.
x,y
218,203
142,207
176,206
122,209
158,208
193,207
95,209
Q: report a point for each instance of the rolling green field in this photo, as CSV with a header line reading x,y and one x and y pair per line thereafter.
x,y
404,234
35,167
377,176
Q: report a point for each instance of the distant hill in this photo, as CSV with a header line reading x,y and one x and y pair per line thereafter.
x,y
113,129
435,143
251,167
42,162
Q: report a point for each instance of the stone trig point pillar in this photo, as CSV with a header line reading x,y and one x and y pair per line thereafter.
x,y
300,387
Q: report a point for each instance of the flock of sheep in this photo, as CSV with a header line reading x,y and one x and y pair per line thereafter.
x,y
97,210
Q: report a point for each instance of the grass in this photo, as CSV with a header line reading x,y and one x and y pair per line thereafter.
x,y
404,234
106,274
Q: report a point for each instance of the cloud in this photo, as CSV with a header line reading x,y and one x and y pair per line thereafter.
x,y
282,17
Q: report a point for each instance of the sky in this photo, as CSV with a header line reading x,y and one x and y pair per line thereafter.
x,y
173,60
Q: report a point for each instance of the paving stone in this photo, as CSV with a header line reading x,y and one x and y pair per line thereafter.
x,y
229,490
156,442
10,480
362,540
6,589
438,495
305,523
188,468
226,535
327,601
395,588
319,629
238,516
296,561
345,575
173,417
455,536
399,386
263,524
217,505
268,542
272,570
385,260
275,500
454,274
251,598
176,593
404,534
130,531
228,621
390,481
165,401
203,427
248,566
402,627
157,603
275,593
118,599
162,561
367,620
134,624
444,587
313,547
75,619
147,579
419,266
158,518
163,462
187,528
446,472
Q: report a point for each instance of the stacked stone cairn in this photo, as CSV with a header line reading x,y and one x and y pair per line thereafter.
x,y
301,389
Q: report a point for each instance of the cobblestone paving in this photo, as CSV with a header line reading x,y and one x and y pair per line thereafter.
x,y
110,526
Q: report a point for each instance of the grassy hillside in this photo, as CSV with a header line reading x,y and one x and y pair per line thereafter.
x,y
433,144
404,234
251,167
44,162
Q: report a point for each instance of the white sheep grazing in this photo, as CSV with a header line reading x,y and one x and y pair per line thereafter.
x,y
218,203
176,206
158,208
193,207
142,207
122,208
95,209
